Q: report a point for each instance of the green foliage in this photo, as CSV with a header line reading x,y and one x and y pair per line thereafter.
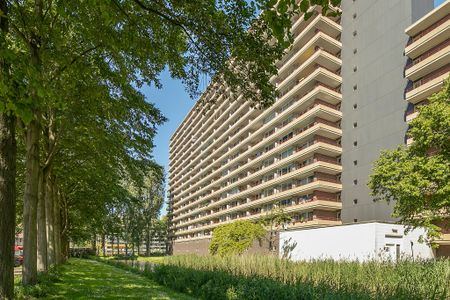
x,y
266,277
273,222
417,177
235,238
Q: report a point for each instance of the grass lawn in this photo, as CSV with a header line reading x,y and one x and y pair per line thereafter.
x,y
88,279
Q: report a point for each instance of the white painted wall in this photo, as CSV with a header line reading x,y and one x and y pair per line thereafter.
x,y
355,242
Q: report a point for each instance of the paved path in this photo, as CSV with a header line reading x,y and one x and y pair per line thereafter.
x,y
17,271
88,279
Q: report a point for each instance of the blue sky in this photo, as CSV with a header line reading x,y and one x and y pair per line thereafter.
x,y
174,103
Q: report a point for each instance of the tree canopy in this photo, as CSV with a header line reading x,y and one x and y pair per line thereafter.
x,y
417,177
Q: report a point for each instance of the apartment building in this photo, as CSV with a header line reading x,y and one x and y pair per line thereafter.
x,y
311,152
428,65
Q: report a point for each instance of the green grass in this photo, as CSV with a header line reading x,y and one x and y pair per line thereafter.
x,y
89,279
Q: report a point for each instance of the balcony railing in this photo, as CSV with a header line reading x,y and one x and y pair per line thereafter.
x,y
428,29
439,72
428,54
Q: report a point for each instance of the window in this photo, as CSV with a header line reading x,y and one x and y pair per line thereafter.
x,y
355,106
355,220
286,202
355,143
355,201
354,16
355,68
355,50
270,147
355,181
285,170
355,87
286,153
355,162
268,162
355,124
269,118
355,33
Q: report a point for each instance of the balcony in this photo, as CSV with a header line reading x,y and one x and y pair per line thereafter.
x,y
428,85
437,33
319,41
319,24
319,58
429,61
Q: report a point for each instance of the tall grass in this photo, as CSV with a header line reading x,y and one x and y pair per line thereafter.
x,y
240,277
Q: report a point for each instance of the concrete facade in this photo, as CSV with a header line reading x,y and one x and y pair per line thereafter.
x,y
373,63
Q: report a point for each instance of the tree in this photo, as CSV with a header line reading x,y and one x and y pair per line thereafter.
x,y
417,177
235,238
273,222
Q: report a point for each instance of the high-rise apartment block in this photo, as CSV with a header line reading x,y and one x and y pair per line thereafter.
x,y
341,100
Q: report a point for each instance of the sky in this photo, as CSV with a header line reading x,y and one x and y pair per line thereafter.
x,y
174,103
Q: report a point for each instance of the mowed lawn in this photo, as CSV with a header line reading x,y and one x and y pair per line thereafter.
x,y
89,279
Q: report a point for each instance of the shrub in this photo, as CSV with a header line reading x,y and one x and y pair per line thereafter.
x,y
235,238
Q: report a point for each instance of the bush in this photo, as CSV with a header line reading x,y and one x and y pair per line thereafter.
x,y
235,238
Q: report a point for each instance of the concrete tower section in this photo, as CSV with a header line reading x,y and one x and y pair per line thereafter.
x,y
373,107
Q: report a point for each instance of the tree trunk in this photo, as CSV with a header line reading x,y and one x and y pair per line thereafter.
x,y
57,223
112,245
7,197
64,227
104,245
42,230
94,243
29,276
118,246
50,217
8,150
147,241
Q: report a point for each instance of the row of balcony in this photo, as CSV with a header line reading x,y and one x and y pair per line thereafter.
x,y
322,79
319,41
298,135
257,179
295,182
318,108
319,146
313,214
330,64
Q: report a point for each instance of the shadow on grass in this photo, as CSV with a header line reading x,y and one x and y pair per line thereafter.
x,y
89,279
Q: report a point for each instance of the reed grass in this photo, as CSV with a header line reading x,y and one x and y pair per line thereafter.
x,y
242,276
